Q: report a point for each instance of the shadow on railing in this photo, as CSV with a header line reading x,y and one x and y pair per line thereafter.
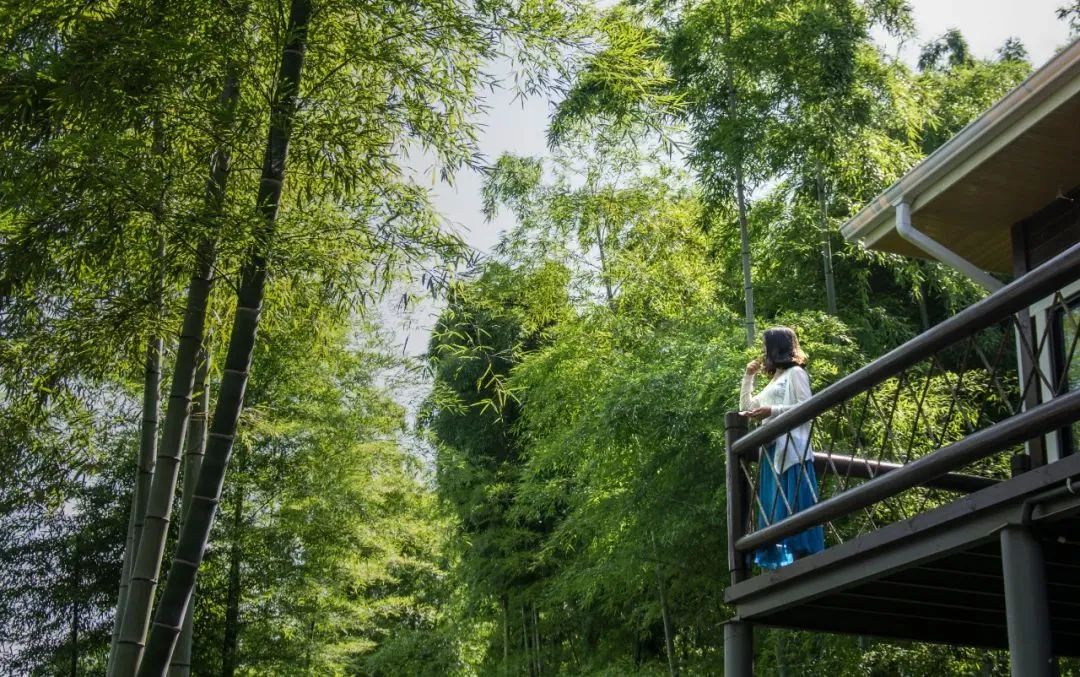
x,y
957,409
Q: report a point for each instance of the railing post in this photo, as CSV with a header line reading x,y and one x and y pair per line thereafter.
x,y
738,499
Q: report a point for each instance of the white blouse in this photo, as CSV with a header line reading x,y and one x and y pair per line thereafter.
x,y
784,391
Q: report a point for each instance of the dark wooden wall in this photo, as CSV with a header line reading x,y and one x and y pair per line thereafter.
x,y
1046,233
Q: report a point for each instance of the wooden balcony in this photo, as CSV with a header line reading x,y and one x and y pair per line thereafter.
x,y
939,529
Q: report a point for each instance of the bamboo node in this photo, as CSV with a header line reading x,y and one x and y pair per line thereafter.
x,y
159,624
145,579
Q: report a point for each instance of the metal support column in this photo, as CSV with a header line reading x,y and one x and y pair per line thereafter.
x,y
1026,609
738,649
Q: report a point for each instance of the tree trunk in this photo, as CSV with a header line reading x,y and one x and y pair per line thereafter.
x,y
669,640
232,596
180,665
151,547
196,532
826,245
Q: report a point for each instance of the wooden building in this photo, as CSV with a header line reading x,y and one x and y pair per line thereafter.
x,y
949,482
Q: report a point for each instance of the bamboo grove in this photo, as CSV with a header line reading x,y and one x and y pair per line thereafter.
x,y
215,461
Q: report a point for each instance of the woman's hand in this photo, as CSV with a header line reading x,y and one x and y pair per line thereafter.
x,y
753,366
760,412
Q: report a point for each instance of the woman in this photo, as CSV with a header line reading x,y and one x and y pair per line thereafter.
x,y
787,483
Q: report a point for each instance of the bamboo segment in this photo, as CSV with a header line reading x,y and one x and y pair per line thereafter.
x,y
669,640
826,245
740,197
143,477
151,547
148,441
180,665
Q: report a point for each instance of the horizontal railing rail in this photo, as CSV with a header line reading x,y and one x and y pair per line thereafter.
x,y
915,428
868,468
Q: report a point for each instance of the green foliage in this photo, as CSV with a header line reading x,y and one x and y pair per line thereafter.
x,y
957,95
580,375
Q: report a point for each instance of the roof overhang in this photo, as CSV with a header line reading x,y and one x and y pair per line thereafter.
x,y
1003,167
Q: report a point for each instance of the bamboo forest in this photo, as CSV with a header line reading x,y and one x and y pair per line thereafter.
x,y
220,454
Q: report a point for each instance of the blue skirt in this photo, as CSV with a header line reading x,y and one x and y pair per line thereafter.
x,y
799,486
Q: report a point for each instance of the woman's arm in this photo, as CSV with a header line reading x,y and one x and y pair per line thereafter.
x,y
798,390
747,401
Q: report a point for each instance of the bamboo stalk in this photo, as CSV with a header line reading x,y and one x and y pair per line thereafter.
x,y
180,665
740,198
143,475
826,244
76,577
506,635
536,640
148,432
525,640
669,642
232,596
191,544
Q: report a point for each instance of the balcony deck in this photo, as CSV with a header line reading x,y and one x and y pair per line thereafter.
x,y
930,539
936,577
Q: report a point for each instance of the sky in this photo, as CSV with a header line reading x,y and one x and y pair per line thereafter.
x,y
519,127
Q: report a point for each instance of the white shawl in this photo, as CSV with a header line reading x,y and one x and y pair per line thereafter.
x,y
794,447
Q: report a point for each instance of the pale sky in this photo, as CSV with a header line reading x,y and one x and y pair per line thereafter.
x,y
519,128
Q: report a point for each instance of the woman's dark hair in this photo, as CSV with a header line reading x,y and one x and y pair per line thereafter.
x,y
782,350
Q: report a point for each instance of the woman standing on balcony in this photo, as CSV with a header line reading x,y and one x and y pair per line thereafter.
x,y
787,481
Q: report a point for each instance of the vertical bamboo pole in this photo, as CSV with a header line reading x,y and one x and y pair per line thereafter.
x,y
669,641
506,635
180,665
525,640
143,474
148,432
826,243
76,576
740,195
536,640
232,597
